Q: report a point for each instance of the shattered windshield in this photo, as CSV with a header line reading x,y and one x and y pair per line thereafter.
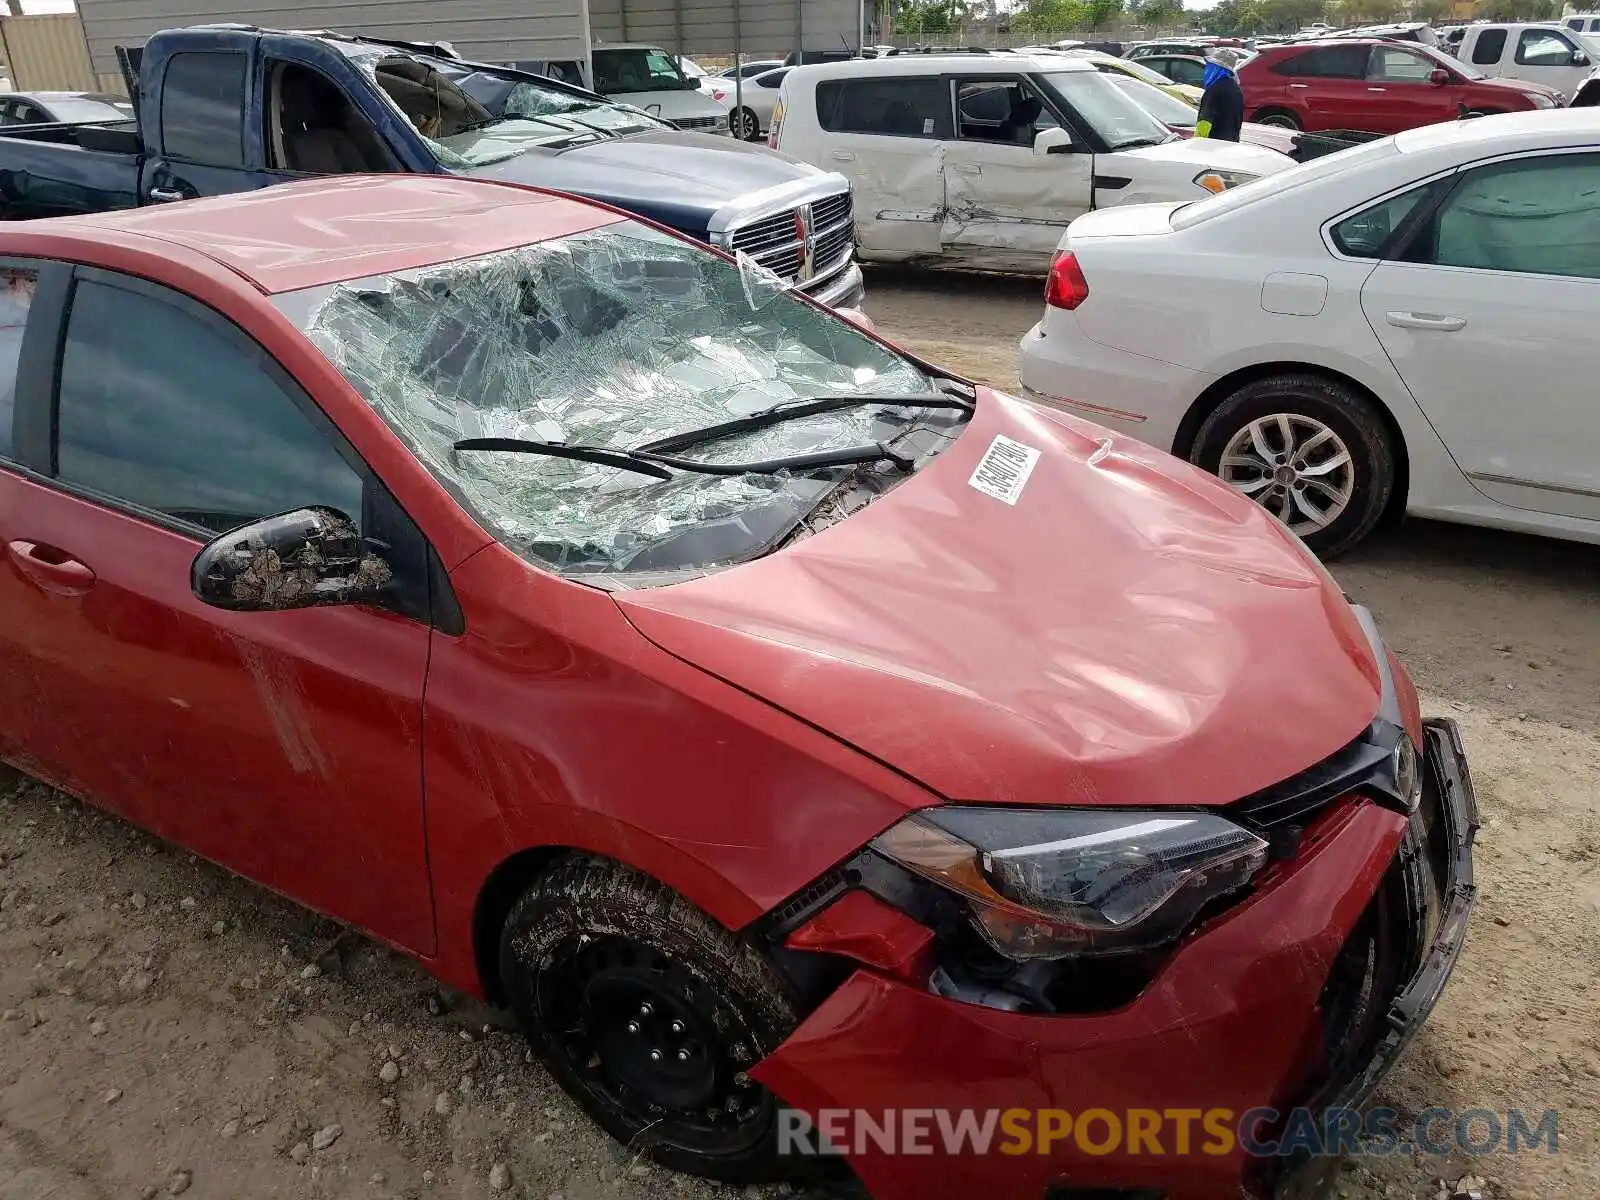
x,y
614,338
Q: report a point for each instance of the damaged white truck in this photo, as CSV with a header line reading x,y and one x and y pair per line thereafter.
x,y
980,161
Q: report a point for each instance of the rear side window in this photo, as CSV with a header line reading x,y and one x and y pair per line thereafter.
x,y
1328,62
1533,216
772,79
165,411
202,109
16,297
893,105
1371,230
1491,44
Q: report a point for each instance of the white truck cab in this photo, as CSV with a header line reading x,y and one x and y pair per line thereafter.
x,y
980,161
1546,53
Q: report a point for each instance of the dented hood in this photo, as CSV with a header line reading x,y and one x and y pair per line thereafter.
x,y
1129,631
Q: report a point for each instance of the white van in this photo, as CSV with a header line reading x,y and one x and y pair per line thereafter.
x,y
1539,53
980,161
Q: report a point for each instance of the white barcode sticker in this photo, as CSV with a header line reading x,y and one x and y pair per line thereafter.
x,y
1004,469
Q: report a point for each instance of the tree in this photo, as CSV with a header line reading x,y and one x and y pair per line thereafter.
x,y
1157,14
1102,12
1050,16
1431,11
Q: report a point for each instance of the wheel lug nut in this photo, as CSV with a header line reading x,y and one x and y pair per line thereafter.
x,y
655,1056
633,1027
645,1010
677,1027
683,1056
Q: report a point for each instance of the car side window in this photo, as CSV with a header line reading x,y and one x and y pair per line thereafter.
x,y
1390,65
772,79
1327,62
1543,48
1181,70
1530,215
896,106
1369,232
202,108
1491,44
997,110
176,414
16,298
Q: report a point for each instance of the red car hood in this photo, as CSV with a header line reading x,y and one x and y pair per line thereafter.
x,y
1523,85
1129,632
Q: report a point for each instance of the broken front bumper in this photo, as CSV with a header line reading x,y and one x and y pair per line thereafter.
x,y
1233,1021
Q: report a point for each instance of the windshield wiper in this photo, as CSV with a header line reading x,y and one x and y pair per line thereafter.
x,y
624,459
648,462
794,411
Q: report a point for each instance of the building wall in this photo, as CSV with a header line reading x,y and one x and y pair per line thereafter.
x,y
500,30
47,53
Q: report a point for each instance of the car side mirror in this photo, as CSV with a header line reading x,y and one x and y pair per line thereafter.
x,y
1580,59
857,318
1438,77
1053,141
308,558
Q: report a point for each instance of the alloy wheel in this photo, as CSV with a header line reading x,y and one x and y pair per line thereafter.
x,y
1293,466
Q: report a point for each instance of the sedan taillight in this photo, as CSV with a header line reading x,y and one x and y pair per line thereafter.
x,y
1066,286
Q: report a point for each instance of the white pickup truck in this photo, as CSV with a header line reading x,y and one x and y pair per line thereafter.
x,y
1546,53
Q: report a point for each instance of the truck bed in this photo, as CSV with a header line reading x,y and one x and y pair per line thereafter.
x,y
58,170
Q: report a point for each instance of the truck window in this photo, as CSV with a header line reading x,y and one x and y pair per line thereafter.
x,y
1543,48
202,106
1491,44
893,105
313,127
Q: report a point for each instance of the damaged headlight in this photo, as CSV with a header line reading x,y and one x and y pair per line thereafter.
x,y
1221,181
1051,883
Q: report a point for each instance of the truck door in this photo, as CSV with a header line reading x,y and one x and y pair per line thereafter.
x,y
194,93
1550,57
322,113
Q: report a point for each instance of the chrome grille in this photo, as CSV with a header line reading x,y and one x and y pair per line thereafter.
x,y
776,242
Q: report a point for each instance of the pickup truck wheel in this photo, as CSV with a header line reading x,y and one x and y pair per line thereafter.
x,y
745,124
1281,117
1308,449
649,1013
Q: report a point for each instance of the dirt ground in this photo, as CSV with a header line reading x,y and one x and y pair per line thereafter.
x,y
167,1029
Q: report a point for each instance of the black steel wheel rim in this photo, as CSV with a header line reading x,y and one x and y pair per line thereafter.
x,y
648,1040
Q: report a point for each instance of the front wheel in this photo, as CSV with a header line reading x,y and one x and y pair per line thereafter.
x,y
1310,450
650,1015
745,125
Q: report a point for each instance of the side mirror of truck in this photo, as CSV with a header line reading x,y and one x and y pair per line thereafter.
x,y
1053,141
1439,77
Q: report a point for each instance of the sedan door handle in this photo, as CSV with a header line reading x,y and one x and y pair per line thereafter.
x,y
1377,89
53,570
1435,321
841,156
1299,85
967,169
165,195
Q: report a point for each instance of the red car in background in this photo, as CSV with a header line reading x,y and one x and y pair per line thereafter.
x,y
1375,86
768,717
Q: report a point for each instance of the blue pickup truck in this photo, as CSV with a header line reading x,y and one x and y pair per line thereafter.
x,y
228,108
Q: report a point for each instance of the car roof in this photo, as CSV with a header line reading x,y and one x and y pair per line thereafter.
x,y
323,231
629,46
947,64
1518,131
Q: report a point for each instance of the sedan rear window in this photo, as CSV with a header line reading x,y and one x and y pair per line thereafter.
x,y
612,339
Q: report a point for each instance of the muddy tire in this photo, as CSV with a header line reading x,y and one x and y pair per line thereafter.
x,y
1308,449
1281,117
649,1013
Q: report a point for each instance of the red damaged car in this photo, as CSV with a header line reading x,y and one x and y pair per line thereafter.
x,y
774,721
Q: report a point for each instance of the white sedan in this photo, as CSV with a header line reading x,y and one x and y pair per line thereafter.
x,y
757,96
1409,325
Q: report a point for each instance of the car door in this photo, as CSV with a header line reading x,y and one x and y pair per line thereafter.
x,y
1005,206
1400,93
1550,57
1327,87
193,116
283,745
888,135
1486,50
1489,315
